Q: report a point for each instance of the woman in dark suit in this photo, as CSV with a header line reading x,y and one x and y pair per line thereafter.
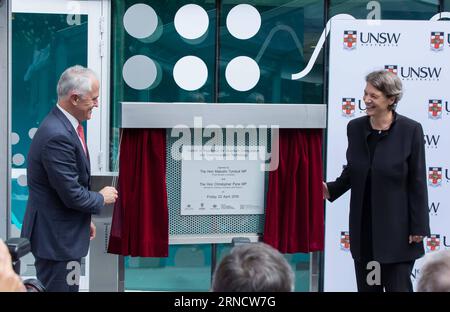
x,y
387,176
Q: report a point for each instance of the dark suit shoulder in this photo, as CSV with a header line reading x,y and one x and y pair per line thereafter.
x,y
357,122
405,121
52,126
51,129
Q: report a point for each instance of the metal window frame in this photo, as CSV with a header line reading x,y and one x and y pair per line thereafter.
x,y
169,115
5,117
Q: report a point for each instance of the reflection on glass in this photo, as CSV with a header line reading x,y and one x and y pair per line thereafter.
x,y
385,9
184,35
188,268
446,7
263,44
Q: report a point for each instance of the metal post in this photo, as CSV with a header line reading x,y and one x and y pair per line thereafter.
x,y
317,258
106,271
213,260
5,118
314,271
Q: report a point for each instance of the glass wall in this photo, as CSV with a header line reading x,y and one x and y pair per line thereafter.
x,y
385,9
179,59
168,54
276,38
446,6
188,268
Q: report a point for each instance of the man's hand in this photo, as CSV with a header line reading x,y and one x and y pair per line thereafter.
x,y
326,193
415,239
109,194
9,280
93,231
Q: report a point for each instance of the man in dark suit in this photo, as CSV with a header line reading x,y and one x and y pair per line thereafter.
x,y
58,216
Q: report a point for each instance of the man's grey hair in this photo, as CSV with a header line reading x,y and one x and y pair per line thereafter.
x,y
435,272
76,79
388,83
253,267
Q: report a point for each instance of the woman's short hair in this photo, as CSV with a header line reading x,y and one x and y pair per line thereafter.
x,y
253,267
388,83
76,79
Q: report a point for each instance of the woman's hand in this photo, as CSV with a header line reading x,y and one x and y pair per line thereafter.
x,y
415,239
326,194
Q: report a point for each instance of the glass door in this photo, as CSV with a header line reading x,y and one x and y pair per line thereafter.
x,y
47,37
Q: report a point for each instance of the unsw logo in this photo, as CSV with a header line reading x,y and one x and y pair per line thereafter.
x,y
350,39
348,106
431,140
435,241
416,72
345,241
437,41
391,68
435,176
435,108
381,39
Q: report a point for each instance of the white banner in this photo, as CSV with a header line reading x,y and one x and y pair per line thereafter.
x,y
419,53
224,181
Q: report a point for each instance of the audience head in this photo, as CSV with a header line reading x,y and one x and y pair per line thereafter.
x,y
435,272
253,267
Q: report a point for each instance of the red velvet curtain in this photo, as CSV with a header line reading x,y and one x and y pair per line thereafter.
x,y
140,219
294,213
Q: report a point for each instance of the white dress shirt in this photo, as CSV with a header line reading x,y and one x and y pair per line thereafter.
x,y
73,121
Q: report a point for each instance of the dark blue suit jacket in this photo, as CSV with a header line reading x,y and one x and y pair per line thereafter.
x,y
59,208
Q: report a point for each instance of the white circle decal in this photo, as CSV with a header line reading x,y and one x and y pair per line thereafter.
x,y
32,132
190,73
15,138
140,21
18,159
243,21
191,21
242,73
140,72
22,180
